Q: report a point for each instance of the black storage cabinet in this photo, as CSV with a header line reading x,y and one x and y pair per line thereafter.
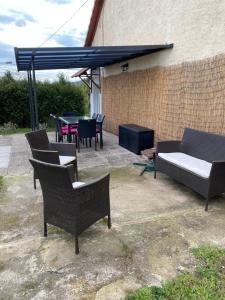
x,y
135,138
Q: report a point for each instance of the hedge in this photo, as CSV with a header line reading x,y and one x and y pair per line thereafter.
x,y
55,98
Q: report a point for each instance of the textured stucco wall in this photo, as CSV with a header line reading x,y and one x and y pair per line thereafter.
x,y
196,27
168,99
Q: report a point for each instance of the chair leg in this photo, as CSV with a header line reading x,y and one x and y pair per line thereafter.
x,y
109,221
45,229
78,144
76,140
206,204
155,174
90,142
86,142
76,171
35,183
95,144
76,245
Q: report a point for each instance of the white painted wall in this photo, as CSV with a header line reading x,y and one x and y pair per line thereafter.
x,y
196,27
95,97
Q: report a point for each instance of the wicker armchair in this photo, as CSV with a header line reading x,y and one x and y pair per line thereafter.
x,y
73,206
65,153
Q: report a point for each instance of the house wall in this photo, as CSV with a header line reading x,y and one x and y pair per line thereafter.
x,y
168,99
174,88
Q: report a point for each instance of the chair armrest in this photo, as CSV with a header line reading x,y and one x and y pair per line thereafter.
x,y
48,156
218,170
168,146
94,191
71,172
67,149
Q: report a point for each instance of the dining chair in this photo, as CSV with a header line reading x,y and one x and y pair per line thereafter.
x,y
72,206
63,131
53,117
86,129
70,114
66,152
94,116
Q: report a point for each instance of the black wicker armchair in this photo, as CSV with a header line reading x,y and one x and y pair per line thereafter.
x,y
72,206
58,153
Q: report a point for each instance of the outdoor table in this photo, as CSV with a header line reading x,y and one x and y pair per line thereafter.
x,y
75,120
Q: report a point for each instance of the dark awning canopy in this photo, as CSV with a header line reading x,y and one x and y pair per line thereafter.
x,y
79,57
32,59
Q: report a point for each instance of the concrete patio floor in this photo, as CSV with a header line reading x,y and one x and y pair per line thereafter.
x,y
155,223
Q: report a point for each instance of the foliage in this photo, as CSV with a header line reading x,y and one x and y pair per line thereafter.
x,y
10,128
55,98
207,282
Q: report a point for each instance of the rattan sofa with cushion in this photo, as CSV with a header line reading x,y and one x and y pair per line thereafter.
x,y
58,153
72,206
197,161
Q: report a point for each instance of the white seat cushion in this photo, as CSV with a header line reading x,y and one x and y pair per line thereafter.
x,y
65,159
77,184
190,163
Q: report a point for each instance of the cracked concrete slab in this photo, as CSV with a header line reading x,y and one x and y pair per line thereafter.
x,y
155,223
5,152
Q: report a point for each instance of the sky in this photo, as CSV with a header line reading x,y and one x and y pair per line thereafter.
x,y
26,23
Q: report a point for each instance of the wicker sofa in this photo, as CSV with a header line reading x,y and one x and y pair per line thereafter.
x,y
197,161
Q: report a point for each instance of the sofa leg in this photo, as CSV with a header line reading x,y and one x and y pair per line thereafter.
x,y
206,204
76,245
155,174
45,229
109,221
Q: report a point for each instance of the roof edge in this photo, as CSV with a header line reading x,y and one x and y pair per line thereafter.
x,y
96,12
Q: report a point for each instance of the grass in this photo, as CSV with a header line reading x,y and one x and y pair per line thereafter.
x,y
8,131
18,130
207,282
1,182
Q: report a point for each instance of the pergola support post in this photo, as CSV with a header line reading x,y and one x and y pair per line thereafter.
x,y
35,96
32,116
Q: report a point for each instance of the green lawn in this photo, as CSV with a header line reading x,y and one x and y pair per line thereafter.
x,y
206,283
8,131
1,182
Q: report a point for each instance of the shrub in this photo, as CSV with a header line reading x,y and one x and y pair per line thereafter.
x,y
55,97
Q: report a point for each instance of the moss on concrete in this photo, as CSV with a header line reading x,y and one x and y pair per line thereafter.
x,y
1,182
30,285
2,265
9,221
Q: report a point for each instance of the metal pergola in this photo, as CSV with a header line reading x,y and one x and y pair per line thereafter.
x,y
33,59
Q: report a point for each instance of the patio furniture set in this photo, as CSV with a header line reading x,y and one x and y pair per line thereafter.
x,y
79,128
197,161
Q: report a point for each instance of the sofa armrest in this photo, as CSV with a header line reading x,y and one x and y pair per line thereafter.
x,y
218,170
67,149
168,146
